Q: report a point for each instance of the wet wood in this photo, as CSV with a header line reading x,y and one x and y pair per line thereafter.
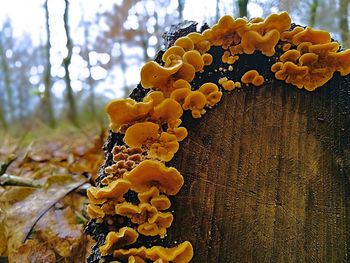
x,y
267,177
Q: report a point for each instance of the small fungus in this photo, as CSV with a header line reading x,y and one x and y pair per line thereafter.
x,y
115,189
174,50
186,72
125,236
126,111
311,35
167,111
194,58
180,95
286,47
288,35
165,148
182,253
138,214
252,41
145,197
141,134
161,202
94,211
252,76
195,102
154,75
185,42
152,173
290,55
207,59
156,224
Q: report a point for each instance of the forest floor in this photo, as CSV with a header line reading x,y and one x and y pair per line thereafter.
x,y
44,221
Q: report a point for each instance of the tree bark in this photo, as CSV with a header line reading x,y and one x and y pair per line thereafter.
x,y
313,13
90,80
7,79
180,8
47,99
72,109
217,11
242,7
344,22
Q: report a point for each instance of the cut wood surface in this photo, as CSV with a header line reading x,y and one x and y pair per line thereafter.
x,y
267,176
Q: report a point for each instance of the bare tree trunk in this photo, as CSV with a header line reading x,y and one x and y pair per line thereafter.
x,y
242,7
6,79
3,121
313,13
47,99
123,68
90,80
217,11
180,8
72,110
344,23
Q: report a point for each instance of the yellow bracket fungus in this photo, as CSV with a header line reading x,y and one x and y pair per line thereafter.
x,y
252,76
195,101
152,173
125,236
182,253
154,75
252,41
94,211
115,190
126,111
311,35
165,149
195,59
185,42
141,134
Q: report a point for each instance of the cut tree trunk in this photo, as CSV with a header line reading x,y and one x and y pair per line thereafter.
x,y
267,177
266,171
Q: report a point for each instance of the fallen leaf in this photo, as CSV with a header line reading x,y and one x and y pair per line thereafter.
x,y
33,251
23,215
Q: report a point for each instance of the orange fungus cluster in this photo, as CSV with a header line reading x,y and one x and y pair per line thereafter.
x,y
152,127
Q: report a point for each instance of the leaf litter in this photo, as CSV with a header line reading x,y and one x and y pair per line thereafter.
x,y
46,223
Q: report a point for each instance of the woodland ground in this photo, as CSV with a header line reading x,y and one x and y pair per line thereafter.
x,y
45,223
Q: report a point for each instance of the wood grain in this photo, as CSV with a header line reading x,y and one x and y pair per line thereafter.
x,y
267,177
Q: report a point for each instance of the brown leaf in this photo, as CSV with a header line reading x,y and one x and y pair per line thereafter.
x,y
23,215
33,251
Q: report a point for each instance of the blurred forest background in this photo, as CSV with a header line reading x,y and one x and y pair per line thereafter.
x,y
61,60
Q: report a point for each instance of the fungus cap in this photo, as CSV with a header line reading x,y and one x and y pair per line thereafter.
x,y
186,72
194,58
125,236
185,42
168,110
126,111
152,173
249,76
115,190
140,134
94,211
182,253
174,50
155,75
311,35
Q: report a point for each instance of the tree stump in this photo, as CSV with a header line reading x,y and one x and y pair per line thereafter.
x,y
267,177
266,170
